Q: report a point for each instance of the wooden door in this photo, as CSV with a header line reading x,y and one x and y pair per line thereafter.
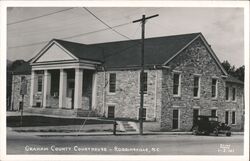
x,y
111,111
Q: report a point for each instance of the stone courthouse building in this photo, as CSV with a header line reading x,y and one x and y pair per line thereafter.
x,y
183,78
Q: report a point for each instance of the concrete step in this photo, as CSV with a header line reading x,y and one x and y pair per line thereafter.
x,y
127,126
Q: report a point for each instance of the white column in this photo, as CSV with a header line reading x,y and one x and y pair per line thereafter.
x,y
32,87
78,88
62,88
46,87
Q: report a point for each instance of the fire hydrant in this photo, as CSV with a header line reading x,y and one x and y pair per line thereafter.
x,y
114,127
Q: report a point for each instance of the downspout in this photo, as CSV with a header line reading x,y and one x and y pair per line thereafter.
x,y
156,84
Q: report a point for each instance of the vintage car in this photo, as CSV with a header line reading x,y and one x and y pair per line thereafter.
x,y
210,125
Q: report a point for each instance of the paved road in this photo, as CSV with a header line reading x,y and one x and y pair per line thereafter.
x,y
126,145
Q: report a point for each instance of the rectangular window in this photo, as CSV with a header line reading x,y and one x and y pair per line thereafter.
x,y
196,86
145,83
227,93
226,117
176,84
112,82
233,94
39,83
214,88
111,111
233,117
213,113
175,119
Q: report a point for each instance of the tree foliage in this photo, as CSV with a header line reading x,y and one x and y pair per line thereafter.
x,y
233,71
15,64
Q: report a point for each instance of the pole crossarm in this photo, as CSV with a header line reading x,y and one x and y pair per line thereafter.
x,y
143,19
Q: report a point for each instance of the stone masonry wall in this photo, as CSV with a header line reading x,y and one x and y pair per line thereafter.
x,y
237,105
126,99
17,98
195,60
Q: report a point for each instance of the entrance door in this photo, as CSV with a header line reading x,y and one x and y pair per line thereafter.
x,y
195,116
70,95
111,111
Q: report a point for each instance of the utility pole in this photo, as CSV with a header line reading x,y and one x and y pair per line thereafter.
x,y
23,91
143,21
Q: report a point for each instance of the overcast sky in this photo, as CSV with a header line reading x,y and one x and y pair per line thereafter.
x,y
222,27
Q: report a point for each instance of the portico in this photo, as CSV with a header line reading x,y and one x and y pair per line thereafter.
x,y
62,82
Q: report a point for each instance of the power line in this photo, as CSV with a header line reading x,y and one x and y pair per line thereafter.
x,y
26,45
33,18
92,32
106,23
69,37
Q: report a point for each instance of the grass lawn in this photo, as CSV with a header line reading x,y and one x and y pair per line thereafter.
x,y
29,121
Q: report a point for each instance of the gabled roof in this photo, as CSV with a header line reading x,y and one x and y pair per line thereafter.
x,y
82,51
127,53
157,50
124,54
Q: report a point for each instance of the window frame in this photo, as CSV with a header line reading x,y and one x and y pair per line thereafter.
x,y
233,119
179,84
215,112
216,88
227,119
227,93
234,94
198,91
109,83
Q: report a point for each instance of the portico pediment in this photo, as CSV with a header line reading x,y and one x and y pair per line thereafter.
x,y
54,52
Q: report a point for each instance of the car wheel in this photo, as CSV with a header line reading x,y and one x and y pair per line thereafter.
x,y
228,134
216,132
195,131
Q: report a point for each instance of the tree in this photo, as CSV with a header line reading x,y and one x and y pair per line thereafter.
x,y
11,66
16,64
240,73
235,72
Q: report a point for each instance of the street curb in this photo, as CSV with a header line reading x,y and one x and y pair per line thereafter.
x,y
117,134
106,134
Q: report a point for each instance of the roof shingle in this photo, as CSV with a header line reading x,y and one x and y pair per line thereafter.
x,y
127,53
